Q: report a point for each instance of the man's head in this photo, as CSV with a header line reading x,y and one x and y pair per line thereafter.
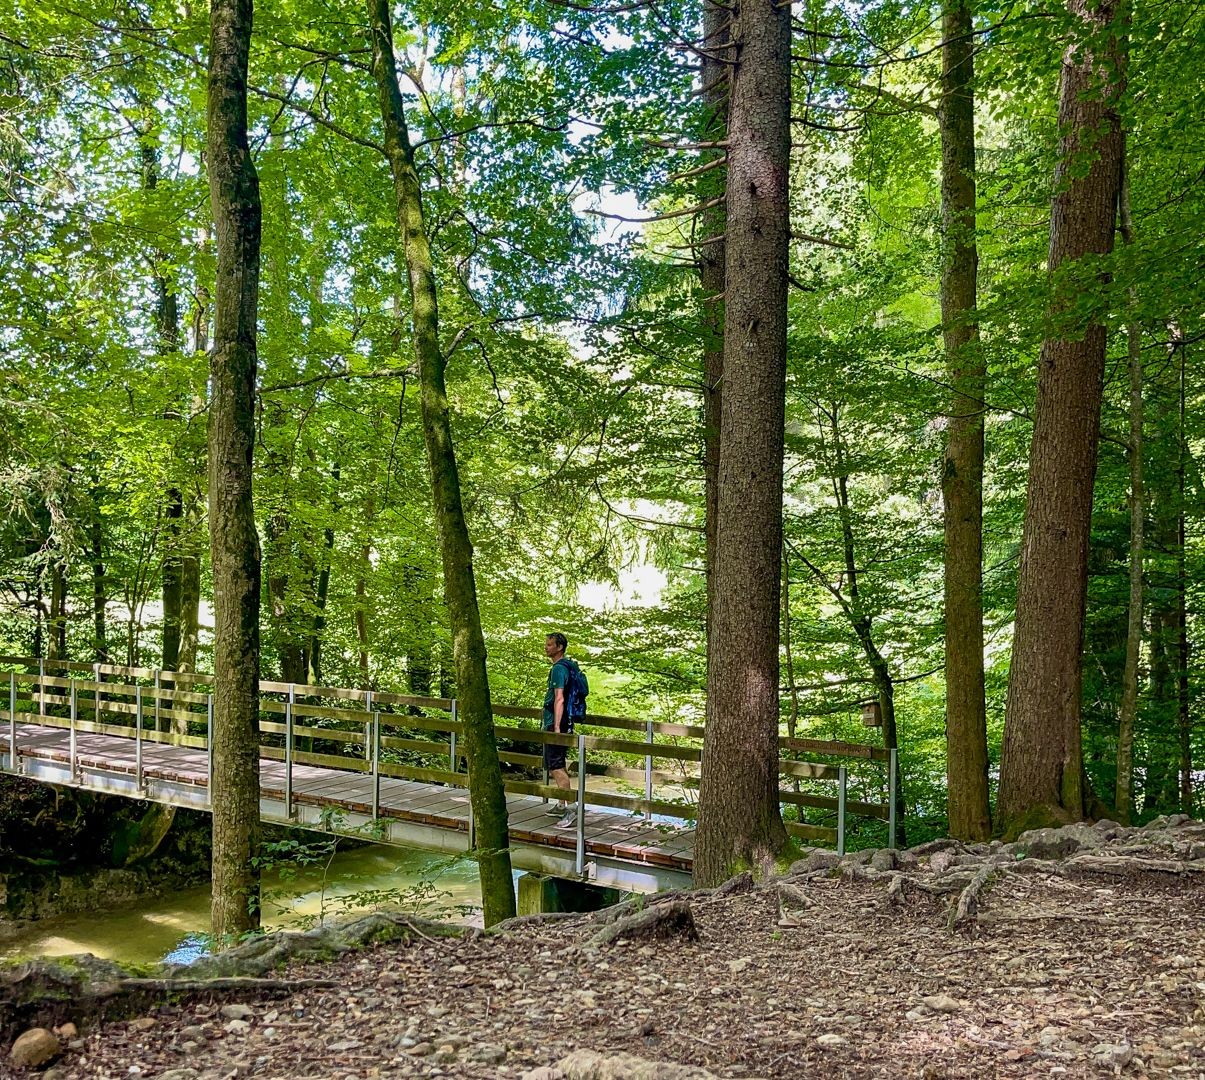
x,y
555,645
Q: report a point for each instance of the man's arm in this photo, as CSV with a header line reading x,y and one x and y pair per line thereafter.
x,y
558,708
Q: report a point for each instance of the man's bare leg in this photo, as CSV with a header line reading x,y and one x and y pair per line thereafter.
x,y
560,777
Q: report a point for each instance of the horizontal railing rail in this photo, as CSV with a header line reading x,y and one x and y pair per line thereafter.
x,y
176,708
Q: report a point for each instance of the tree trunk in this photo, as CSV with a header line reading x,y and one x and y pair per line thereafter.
x,y
99,595
739,820
1182,690
234,544
57,640
486,794
710,254
962,472
1041,770
1124,795
170,655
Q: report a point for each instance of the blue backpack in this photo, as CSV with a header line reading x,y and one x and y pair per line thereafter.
x,y
576,689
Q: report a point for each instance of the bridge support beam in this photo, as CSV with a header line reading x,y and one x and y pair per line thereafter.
x,y
539,894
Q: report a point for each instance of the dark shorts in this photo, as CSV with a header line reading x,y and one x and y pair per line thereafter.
x,y
555,756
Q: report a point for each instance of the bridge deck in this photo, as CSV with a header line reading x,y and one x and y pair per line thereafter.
x,y
639,854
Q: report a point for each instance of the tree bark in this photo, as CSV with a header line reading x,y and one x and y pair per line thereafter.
x,y
739,820
57,623
969,808
99,590
1124,794
1041,771
710,255
1183,715
486,794
171,573
234,544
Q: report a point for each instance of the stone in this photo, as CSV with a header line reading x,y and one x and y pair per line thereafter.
x,y
931,847
820,859
67,1031
237,1012
858,858
1113,1055
941,861
737,966
143,1023
941,1003
35,1047
884,859
179,1074
195,1032
236,1027
831,1041
1058,843
489,1054
388,978
919,1013
591,1065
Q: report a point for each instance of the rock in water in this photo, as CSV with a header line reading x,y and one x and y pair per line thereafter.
x,y
36,1047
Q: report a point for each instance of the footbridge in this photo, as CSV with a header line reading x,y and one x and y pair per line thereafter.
x,y
388,767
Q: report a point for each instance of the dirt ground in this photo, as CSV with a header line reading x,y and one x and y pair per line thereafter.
x,y
1057,976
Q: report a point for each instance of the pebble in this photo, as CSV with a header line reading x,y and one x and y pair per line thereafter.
x,y
195,1032
237,1012
831,1041
737,966
143,1023
941,1003
236,1027
67,1031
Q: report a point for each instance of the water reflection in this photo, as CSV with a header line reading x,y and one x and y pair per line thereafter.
x,y
173,927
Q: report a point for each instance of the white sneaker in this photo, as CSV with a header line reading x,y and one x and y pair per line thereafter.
x,y
569,821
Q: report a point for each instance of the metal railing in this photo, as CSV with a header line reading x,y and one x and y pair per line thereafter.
x,y
177,702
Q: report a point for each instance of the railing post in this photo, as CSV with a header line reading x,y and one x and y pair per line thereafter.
x,y
209,748
368,726
72,721
289,751
12,722
452,734
138,736
648,770
158,685
376,765
96,695
41,687
842,781
892,765
581,803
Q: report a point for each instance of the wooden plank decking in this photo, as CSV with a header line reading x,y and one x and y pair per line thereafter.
x,y
615,836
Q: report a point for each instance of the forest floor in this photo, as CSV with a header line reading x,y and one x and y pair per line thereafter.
x,y
1057,974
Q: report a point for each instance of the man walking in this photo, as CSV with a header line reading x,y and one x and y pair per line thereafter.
x,y
564,678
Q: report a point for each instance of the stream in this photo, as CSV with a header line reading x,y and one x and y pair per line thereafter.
x,y
173,926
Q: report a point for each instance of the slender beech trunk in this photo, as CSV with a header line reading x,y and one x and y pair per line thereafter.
x,y
861,622
739,819
1124,794
174,514
962,470
486,793
1182,696
1041,769
58,612
99,589
234,544
710,253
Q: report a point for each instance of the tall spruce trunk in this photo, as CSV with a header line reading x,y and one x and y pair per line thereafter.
x,y
234,543
1041,770
1124,791
710,255
739,819
968,801
486,794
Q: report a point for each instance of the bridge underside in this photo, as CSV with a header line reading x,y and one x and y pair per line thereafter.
x,y
620,851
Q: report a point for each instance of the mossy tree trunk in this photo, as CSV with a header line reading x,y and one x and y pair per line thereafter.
x,y
486,793
234,543
1041,768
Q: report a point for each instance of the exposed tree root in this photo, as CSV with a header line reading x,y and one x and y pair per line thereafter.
x,y
657,923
